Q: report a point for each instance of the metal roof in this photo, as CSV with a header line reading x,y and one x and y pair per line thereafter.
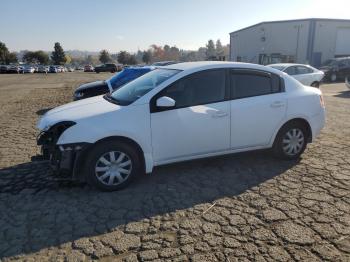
x,y
295,20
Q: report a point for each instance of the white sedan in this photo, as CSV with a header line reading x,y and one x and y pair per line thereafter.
x,y
305,74
181,112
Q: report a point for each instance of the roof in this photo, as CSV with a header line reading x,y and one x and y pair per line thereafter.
x,y
203,65
295,20
287,64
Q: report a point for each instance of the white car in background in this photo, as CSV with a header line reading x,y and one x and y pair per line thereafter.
x,y
180,112
305,74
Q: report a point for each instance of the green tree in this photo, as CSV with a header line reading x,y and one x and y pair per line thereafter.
x,y
123,57
146,57
210,52
132,60
3,53
219,48
58,56
104,57
36,57
11,58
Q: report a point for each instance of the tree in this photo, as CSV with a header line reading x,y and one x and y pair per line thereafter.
x,y
68,59
146,57
104,57
132,60
58,56
36,57
123,57
219,49
11,58
210,52
3,53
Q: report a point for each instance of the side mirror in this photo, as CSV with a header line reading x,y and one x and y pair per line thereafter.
x,y
165,101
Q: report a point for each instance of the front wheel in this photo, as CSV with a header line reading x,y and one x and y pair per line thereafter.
x,y
316,84
112,165
291,141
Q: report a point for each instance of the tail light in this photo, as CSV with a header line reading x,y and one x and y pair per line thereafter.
x,y
322,102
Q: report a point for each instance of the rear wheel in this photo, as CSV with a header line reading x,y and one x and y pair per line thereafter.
x,y
112,165
333,77
291,141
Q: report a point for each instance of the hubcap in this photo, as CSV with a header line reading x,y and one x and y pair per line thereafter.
x,y
113,168
293,142
333,77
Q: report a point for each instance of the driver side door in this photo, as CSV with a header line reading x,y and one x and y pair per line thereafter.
x,y
198,124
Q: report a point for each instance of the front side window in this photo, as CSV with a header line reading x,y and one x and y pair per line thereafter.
x,y
137,88
249,84
197,89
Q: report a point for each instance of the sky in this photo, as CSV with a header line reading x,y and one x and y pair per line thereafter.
x,y
131,25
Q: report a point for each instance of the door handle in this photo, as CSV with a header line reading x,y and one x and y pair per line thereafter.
x,y
219,114
277,104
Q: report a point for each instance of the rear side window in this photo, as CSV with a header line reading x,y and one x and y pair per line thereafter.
x,y
249,84
292,70
303,70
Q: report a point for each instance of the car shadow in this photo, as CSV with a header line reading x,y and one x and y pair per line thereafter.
x,y
343,94
41,211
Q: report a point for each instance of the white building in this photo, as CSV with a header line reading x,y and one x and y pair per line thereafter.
x,y
309,41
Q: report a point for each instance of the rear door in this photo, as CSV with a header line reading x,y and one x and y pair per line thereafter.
x,y
258,106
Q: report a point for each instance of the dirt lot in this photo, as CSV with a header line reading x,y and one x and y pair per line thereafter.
x,y
244,207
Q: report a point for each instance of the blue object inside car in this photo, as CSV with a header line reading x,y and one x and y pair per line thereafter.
x,y
127,75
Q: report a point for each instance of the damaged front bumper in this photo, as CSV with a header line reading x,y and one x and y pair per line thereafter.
x,y
64,159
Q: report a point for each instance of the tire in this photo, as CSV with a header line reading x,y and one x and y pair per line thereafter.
x,y
333,77
316,84
97,72
297,135
98,169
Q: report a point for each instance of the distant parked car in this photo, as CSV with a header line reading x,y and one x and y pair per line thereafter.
x,y
110,85
305,74
43,69
27,69
336,69
88,68
164,63
53,69
3,69
13,69
70,69
106,68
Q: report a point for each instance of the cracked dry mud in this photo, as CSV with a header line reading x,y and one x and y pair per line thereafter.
x,y
243,207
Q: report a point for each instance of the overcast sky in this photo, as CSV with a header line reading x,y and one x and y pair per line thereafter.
x,y
136,24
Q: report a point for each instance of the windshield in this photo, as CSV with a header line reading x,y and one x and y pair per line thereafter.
x,y
137,88
329,62
281,68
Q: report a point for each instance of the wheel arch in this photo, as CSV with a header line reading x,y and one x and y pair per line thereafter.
x,y
79,163
301,120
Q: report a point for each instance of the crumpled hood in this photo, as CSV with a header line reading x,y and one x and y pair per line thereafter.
x,y
76,111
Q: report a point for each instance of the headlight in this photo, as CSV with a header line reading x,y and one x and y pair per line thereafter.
x,y
78,94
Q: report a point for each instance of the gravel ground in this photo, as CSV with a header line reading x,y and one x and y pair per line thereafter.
x,y
243,207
